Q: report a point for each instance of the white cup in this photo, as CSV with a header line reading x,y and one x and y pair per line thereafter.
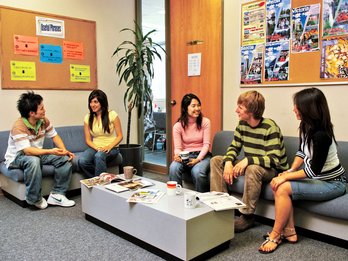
x,y
173,188
185,157
129,172
190,199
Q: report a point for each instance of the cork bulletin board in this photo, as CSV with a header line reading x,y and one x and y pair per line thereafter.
x,y
304,68
74,66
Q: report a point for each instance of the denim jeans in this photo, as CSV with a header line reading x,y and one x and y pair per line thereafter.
x,y
199,173
32,168
93,162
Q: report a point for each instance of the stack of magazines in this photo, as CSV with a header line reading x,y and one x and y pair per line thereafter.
x,y
147,196
103,179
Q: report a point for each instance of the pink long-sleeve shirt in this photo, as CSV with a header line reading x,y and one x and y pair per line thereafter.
x,y
192,139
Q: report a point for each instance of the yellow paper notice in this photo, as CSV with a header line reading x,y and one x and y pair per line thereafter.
x,y
23,71
80,73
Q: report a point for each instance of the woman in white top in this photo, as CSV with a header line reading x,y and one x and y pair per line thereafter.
x,y
103,133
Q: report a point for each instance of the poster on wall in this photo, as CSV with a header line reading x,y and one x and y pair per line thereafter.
x,y
25,45
334,63
278,20
305,28
277,61
251,64
253,23
51,53
335,17
23,71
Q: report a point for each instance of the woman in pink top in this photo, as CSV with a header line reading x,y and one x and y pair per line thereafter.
x,y
192,133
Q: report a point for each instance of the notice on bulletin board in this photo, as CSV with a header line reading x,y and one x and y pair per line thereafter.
x,y
194,64
80,73
23,71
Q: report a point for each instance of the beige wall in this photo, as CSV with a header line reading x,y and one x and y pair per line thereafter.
x,y
69,107
278,99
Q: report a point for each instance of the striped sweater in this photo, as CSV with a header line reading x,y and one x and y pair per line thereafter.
x,y
262,145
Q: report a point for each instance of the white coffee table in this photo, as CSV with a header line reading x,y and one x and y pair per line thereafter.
x,y
166,228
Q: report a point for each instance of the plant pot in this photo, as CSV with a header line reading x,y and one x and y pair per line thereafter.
x,y
132,155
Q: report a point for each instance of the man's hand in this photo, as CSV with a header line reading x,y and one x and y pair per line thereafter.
x,y
239,168
228,173
62,152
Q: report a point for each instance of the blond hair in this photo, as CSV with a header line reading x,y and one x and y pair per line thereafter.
x,y
254,102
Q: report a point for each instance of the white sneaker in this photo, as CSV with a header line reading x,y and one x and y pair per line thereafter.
x,y
60,200
42,204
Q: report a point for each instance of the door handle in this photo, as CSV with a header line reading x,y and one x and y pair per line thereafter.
x,y
173,102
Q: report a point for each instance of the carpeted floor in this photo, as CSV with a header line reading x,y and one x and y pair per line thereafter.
x,y
63,234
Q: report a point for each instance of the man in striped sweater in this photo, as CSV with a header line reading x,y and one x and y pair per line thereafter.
x,y
264,156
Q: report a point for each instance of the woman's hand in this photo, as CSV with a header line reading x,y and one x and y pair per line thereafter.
x,y
277,181
193,162
177,158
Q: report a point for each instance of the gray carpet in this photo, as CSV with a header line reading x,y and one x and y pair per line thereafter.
x,y
63,234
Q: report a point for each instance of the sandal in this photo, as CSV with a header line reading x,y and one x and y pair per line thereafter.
x,y
275,241
288,234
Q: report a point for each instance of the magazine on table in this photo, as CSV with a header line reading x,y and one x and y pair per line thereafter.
x,y
220,201
103,179
133,184
148,196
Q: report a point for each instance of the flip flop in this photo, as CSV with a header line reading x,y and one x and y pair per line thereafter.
x,y
283,237
276,242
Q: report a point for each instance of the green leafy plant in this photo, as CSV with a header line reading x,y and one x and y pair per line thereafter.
x,y
135,68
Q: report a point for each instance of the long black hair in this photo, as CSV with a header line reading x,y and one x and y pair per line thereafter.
x,y
315,114
103,100
185,102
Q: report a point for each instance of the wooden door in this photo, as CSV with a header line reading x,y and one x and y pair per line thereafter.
x,y
196,27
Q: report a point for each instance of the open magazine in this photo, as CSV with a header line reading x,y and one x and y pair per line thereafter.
x,y
148,196
103,179
220,201
133,184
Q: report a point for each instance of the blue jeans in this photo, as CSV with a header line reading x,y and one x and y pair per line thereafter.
x,y
199,173
32,168
93,162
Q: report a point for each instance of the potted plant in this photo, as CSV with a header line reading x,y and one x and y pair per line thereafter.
x,y
135,68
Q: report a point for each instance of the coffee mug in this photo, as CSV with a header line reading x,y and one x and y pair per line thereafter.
x,y
185,156
173,188
190,199
129,172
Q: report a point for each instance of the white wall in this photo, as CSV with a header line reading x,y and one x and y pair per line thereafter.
x,y
278,99
68,107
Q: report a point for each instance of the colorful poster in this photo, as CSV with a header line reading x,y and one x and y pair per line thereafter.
x,y
251,64
51,53
73,50
253,23
305,28
80,73
335,17
23,71
334,62
50,27
277,61
25,45
278,20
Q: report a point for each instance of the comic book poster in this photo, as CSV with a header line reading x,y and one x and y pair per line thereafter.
x,y
335,17
305,28
251,64
277,61
278,20
253,23
334,62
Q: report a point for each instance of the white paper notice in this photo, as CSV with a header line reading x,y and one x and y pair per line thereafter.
x,y
194,64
